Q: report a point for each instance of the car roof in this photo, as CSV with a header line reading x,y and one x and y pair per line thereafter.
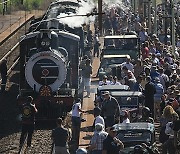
x,y
126,93
116,56
113,87
121,37
135,126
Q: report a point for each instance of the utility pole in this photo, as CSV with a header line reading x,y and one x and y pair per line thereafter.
x,y
100,15
149,16
173,27
155,17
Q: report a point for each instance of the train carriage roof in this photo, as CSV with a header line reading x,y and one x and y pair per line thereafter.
x,y
64,34
121,37
126,93
113,87
135,126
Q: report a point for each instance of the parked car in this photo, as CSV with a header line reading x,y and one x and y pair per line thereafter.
x,y
110,63
122,45
133,134
110,88
131,101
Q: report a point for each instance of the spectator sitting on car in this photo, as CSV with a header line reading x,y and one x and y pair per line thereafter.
x,y
128,72
115,81
125,117
146,116
104,81
128,64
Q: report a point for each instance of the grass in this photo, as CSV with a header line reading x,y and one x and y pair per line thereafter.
x,y
13,5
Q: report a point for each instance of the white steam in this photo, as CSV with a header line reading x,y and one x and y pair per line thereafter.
x,y
123,4
77,21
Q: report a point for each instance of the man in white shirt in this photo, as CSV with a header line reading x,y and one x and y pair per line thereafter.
x,y
76,118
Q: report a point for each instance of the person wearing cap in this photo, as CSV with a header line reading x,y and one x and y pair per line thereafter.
x,y
112,145
60,136
28,111
76,118
149,92
96,143
157,97
110,109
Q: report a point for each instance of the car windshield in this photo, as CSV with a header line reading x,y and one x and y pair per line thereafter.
x,y
114,60
121,43
127,101
127,136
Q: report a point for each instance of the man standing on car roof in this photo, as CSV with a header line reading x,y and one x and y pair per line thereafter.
x,y
28,120
110,109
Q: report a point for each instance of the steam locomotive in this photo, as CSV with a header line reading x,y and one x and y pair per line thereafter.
x,y
49,67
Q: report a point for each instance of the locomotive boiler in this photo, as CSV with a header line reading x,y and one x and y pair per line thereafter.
x,y
49,71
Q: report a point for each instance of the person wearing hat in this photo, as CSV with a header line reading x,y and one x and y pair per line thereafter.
x,y
96,143
112,145
157,97
110,109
